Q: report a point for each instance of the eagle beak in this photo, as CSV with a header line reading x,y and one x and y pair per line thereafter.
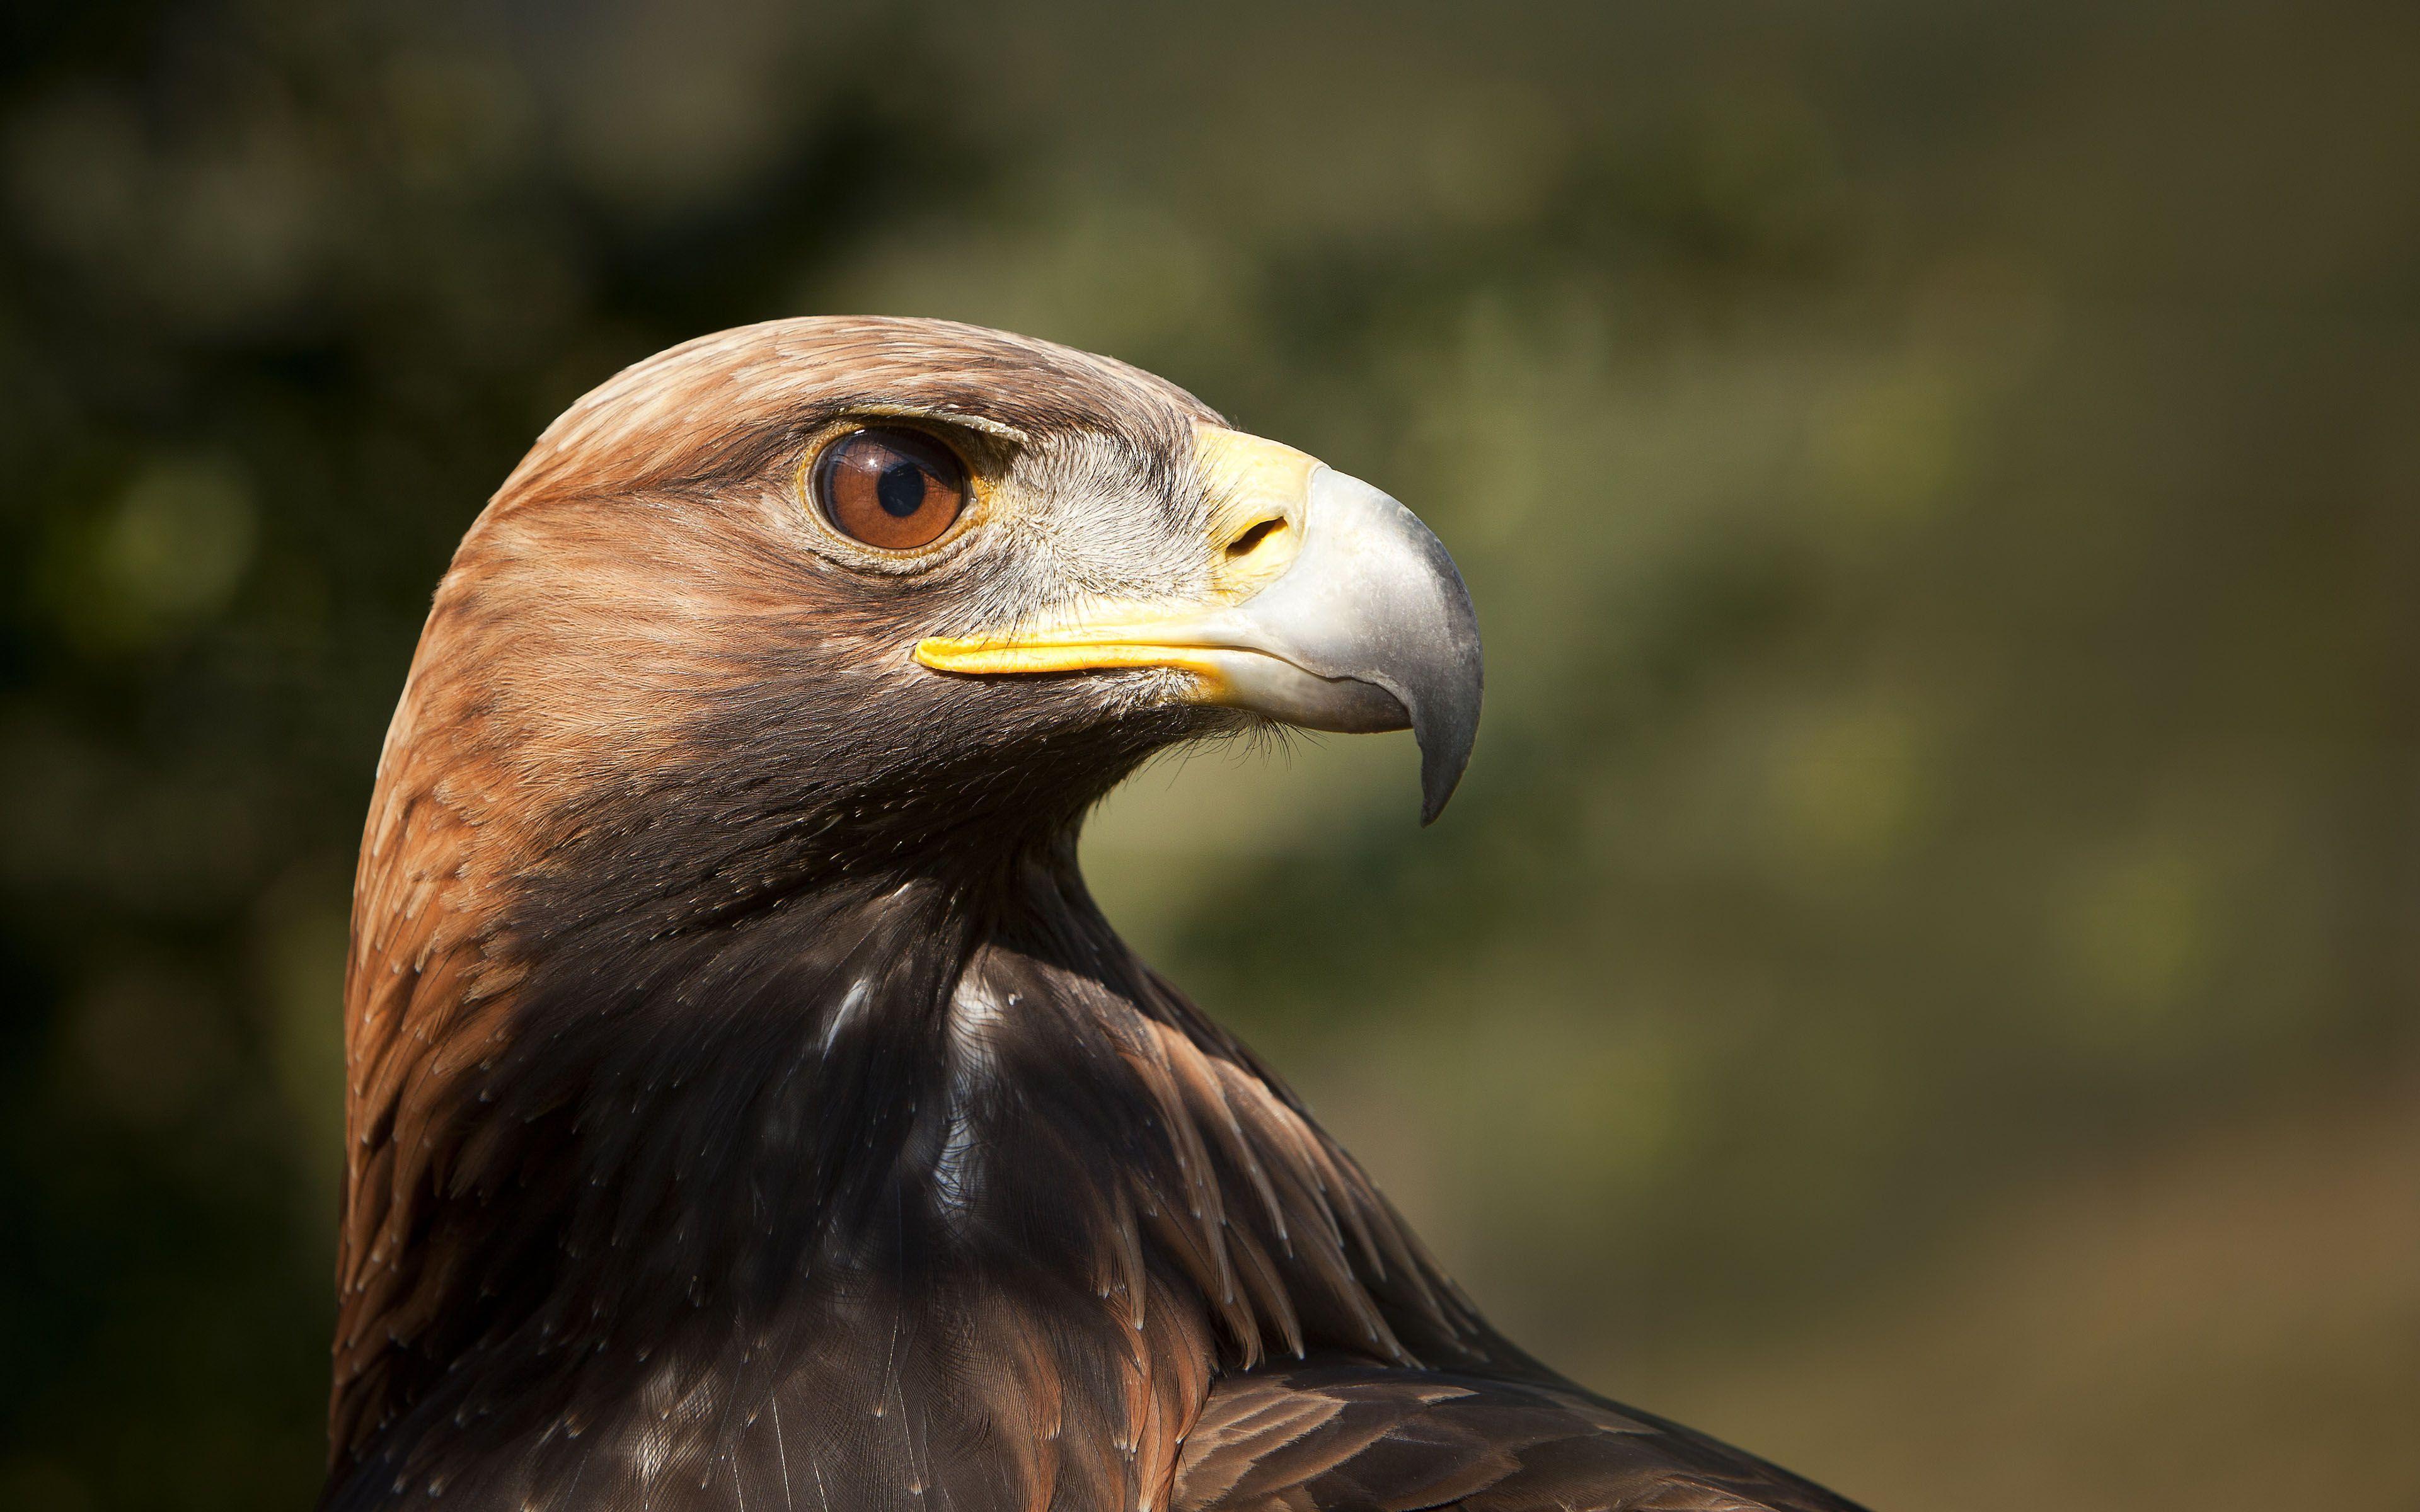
x,y
1334,608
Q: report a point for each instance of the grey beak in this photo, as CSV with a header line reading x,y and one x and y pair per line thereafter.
x,y
1368,627
1372,608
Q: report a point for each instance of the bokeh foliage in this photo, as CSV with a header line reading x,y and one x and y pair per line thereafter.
x,y
1921,974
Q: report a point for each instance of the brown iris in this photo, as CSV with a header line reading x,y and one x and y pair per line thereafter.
x,y
891,487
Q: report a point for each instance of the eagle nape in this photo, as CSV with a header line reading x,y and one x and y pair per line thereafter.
x,y
1350,616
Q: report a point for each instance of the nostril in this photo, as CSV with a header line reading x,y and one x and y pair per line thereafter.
x,y
1243,545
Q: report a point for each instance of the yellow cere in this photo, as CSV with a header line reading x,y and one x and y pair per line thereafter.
x,y
1258,490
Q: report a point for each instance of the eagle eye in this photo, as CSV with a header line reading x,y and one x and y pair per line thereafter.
x,y
891,487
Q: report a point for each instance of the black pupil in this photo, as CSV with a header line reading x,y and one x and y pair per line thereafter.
x,y
900,490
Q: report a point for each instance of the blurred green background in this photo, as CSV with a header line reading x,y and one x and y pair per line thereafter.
x,y
1920,979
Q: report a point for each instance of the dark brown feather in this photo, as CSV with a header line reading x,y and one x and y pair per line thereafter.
x,y
1403,1440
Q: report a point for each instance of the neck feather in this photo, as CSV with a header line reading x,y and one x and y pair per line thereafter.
x,y
925,1150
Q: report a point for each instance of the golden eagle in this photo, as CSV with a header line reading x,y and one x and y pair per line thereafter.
x,y
749,1110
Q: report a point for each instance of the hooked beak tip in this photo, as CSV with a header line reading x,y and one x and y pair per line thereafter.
x,y
1445,714
1439,777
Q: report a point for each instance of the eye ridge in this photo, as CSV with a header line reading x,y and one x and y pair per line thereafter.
x,y
891,487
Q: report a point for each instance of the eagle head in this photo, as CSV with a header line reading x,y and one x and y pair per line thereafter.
x,y
850,593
